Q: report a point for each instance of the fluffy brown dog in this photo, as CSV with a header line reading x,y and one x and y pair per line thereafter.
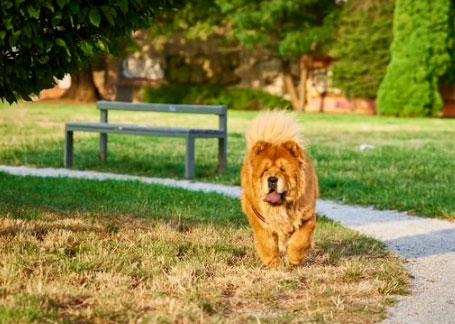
x,y
279,189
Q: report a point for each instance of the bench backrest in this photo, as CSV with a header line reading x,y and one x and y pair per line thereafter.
x,y
190,109
220,110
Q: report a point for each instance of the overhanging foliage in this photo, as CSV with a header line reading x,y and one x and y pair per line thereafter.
x,y
43,39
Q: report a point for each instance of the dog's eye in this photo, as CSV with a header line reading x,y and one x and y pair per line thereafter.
x,y
282,170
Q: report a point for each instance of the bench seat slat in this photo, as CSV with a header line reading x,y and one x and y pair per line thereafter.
x,y
144,130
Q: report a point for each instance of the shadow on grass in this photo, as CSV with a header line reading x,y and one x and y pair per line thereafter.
x,y
147,157
32,197
117,203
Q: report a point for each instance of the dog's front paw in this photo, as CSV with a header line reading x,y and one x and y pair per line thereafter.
x,y
294,262
272,262
296,258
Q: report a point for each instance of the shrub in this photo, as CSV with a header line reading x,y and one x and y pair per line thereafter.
x,y
420,57
234,98
362,48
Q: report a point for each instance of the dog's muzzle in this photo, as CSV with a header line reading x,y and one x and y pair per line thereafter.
x,y
272,182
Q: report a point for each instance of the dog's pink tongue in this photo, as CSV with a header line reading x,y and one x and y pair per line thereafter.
x,y
273,197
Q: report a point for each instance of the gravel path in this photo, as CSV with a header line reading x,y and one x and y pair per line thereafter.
x,y
427,244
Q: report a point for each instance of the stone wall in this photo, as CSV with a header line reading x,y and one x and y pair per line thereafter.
x,y
211,62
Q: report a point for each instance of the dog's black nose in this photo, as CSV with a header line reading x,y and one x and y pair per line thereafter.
x,y
272,182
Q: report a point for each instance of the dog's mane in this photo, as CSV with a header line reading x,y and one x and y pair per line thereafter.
x,y
275,127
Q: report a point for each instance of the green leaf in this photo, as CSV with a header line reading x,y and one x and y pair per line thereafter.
x,y
102,45
62,3
8,23
27,30
39,43
61,42
74,7
33,12
7,4
12,40
2,34
87,48
94,16
57,18
48,5
123,4
27,98
108,14
44,59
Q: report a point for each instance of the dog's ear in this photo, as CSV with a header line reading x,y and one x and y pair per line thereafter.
x,y
259,147
295,150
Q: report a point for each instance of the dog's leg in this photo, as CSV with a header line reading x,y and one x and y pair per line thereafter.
x,y
267,247
301,241
266,243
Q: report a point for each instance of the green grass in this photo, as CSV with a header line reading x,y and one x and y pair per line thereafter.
x,y
411,167
86,251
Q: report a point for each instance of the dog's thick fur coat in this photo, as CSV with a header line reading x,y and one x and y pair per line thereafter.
x,y
279,189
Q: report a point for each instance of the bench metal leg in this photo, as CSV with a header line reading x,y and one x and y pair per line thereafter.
x,y
222,155
189,158
103,146
68,154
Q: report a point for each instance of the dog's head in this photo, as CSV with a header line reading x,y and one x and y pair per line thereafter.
x,y
277,171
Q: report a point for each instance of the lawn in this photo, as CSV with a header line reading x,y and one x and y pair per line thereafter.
x,y
84,251
410,168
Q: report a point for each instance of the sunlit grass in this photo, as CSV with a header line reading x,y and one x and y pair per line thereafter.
x,y
411,166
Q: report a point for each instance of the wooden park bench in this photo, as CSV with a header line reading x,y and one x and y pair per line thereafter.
x,y
104,128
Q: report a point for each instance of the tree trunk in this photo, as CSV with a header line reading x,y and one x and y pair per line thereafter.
x,y
298,99
305,65
112,77
82,87
289,82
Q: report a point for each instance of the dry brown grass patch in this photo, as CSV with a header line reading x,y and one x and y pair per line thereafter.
x,y
126,270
